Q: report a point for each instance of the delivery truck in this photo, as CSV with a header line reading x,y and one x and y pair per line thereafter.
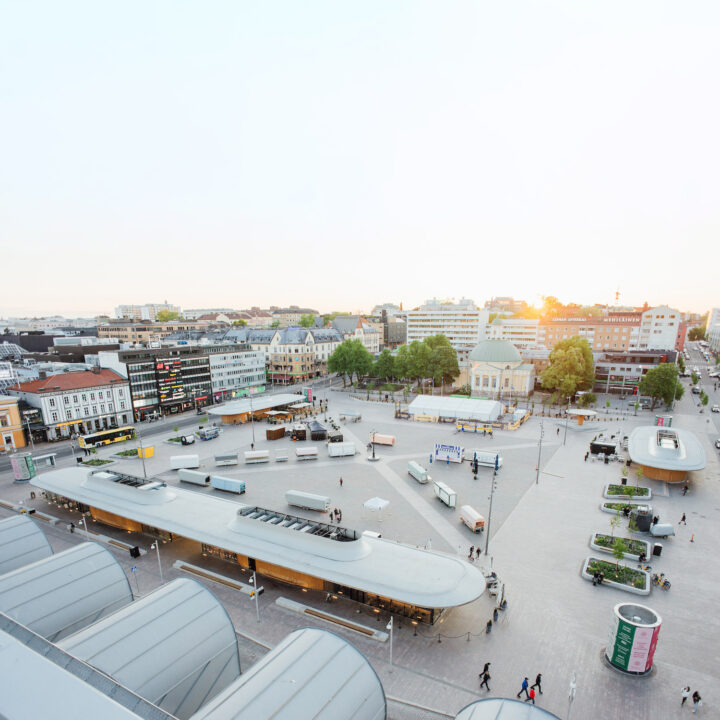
x,y
227,484
307,500
194,476
178,462
379,439
208,433
307,453
445,494
418,472
341,449
472,518
257,456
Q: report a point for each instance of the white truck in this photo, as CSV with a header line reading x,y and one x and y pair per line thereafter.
x,y
227,484
308,453
257,456
177,462
444,493
418,472
486,458
194,476
307,500
472,518
226,459
341,449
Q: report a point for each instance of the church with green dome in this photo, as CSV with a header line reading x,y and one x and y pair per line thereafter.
x,y
497,371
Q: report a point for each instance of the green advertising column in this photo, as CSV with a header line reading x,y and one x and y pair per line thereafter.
x,y
633,638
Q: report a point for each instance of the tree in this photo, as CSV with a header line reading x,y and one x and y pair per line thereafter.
x,y
340,361
571,367
587,399
638,475
696,333
704,399
614,523
307,320
166,316
551,305
361,361
402,363
661,383
419,360
385,365
681,363
619,548
275,323
694,377
442,363
240,323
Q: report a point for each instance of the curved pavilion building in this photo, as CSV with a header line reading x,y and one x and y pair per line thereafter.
x,y
665,453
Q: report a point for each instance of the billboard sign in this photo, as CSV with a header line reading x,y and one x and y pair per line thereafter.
x,y
448,453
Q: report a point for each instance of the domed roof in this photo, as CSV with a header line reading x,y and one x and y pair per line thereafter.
x,y
495,351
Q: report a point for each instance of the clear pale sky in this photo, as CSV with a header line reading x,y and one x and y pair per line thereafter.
x,y
338,154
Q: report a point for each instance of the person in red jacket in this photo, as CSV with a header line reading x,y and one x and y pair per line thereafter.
x,y
531,696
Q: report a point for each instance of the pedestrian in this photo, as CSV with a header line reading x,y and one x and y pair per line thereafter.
x,y
339,516
485,677
472,550
477,551
682,520
685,489
537,683
531,697
595,578
72,527
586,455
252,445
557,432
524,688
601,578
696,700
685,695
340,481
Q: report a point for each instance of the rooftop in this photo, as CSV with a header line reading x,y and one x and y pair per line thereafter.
x,y
495,351
240,407
70,381
666,448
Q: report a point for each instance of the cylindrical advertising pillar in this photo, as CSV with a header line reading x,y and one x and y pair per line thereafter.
x,y
633,638
23,467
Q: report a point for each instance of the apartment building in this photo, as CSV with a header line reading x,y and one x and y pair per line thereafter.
x,y
661,329
621,372
78,402
521,332
462,323
356,327
148,312
286,317
144,333
12,436
616,331
235,371
195,313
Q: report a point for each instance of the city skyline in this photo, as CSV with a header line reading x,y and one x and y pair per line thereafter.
x,y
224,155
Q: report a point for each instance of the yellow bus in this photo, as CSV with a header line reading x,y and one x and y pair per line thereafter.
x,y
105,437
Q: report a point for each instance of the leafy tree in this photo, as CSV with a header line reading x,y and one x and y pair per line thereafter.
x,y
681,363
619,548
166,316
614,523
307,320
361,359
385,365
587,399
240,323
607,406
661,383
419,360
340,361
551,306
402,363
350,358
571,367
694,377
704,399
696,333
442,364
275,323
638,476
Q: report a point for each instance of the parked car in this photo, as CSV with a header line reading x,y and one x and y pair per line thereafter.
x,y
717,443
715,408
696,389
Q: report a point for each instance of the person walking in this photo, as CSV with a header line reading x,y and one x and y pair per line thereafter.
x,y
477,551
486,668
472,550
696,700
557,432
340,481
485,678
531,697
537,683
524,688
685,695
682,520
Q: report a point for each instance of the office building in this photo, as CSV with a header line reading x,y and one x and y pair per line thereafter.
x,y
148,311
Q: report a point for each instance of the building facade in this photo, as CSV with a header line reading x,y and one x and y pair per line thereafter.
x,y
12,436
621,372
616,331
145,333
163,381
497,371
78,402
712,329
355,327
660,329
149,311
235,371
462,323
522,333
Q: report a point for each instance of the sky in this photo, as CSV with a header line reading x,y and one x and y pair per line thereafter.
x,y
341,154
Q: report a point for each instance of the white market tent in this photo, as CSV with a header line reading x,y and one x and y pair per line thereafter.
x,y
376,504
256,404
458,408
175,647
504,709
21,543
311,674
63,593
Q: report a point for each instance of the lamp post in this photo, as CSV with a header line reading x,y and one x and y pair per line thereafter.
x,y
389,626
156,546
255,592
27,422
142,453
492,493
252,419
537,469
82,517
567,415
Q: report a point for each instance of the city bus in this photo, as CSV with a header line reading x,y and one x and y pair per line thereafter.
x,y
105,437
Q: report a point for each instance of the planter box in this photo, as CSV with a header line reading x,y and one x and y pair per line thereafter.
x,y
93,466
627,556
619,498
614,512
620,586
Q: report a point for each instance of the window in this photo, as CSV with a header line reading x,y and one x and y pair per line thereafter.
x,y
75,397
87,411
66,399
94,409
84,398
92,396
52,402
102,408
54,417
68,414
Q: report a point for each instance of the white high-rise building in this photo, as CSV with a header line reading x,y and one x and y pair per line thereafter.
x,y
712,329
148,311
521,332
659,328
462,323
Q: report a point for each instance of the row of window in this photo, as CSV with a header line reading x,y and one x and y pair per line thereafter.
x,y
84,397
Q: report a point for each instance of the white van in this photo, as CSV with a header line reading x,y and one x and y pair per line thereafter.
x,y
472,518
418,472
445,494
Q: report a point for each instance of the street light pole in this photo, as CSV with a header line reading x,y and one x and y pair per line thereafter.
x,y
257,606
252,419
82,515
389,626
142,453
32,444
566,421
492,493
156,546
537,469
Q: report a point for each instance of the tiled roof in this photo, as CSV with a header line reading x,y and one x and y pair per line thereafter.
x,y
70,381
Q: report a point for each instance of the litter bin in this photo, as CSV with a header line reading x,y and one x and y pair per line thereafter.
x,y
623,481
657,549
